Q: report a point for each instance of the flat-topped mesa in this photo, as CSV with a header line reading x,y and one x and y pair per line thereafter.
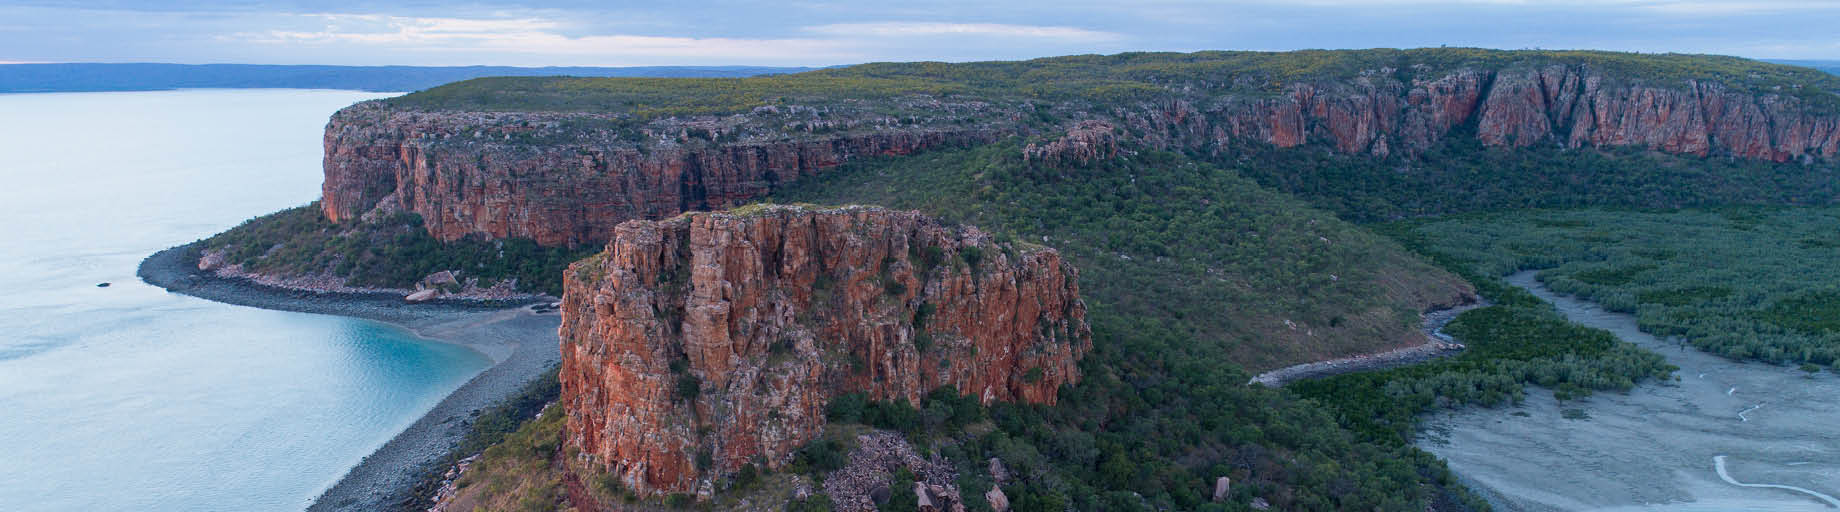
x,y
566,179
696,344
555,161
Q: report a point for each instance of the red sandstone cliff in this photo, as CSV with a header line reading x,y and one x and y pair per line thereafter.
x,y
1568,106
569,178
771,312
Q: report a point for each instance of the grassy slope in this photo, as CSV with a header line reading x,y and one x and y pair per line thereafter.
x,y
389,253
1260,280
1189,272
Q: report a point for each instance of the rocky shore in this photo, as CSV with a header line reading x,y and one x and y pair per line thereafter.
x,y
521,342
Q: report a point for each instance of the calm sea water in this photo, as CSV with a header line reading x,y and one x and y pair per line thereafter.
x,y
131,398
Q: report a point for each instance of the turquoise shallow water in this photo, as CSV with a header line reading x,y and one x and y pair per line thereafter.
x,y
131,398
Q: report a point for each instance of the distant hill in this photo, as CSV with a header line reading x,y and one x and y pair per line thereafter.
x,y
1830,66
80,77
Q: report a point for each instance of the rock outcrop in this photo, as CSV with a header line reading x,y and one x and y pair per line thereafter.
x,y
568,179
1087,141
696,344
564,178
1569,106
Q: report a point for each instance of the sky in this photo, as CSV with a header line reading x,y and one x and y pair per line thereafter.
x,y
820,33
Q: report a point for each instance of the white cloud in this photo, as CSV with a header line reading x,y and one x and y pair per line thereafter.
x,y
912,29
1668,6
537,36
1714,7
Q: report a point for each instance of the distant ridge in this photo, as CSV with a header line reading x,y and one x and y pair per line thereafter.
x,y
1830,66
90,77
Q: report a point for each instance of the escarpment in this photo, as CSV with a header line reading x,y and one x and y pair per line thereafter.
x,y
1566,106
564,176
568,179
697,344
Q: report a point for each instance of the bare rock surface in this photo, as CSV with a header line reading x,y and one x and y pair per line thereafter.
x,y
877,457
724,336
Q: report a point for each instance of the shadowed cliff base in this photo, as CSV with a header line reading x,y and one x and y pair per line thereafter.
x,y
520,343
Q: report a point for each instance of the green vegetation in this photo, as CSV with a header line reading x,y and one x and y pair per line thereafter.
x,y
1741,282
1257,279
1199,267
1188,271
1510,346
516,474
390,253
1459,175
1095,78
488,429
820,457
1181,261
1518,341
525,466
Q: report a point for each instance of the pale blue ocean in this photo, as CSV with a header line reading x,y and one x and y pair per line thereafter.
x,y
131,398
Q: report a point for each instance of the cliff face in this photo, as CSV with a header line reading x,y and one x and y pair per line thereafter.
x,y
569,178
724,336
1569,106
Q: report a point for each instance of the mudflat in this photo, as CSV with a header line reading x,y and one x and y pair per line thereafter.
x,y
1726,436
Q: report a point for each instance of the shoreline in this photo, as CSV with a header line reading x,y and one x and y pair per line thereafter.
x,y
1437,345
522,344
1698,440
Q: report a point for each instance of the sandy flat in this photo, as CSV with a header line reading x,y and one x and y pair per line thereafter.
x,y
1655,448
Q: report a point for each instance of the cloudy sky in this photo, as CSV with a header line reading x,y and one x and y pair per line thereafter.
x,y
617,33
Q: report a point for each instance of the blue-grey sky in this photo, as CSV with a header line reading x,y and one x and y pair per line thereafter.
x,y
820,32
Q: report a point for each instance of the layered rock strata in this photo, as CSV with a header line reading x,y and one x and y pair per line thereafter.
x,y
569,178
697,344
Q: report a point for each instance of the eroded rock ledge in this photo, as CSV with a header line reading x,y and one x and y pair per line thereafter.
x,y
694,345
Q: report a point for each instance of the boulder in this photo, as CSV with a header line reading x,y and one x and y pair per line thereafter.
x,y
998,501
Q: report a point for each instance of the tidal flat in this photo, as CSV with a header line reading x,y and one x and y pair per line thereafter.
x,y
1659,447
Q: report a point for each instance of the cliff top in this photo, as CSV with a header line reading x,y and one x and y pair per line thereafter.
x,y
765,209
1097,78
